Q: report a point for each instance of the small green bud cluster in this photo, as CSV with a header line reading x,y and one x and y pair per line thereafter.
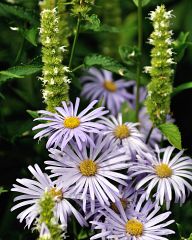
x,y
47,224
82,8
55,80
161,72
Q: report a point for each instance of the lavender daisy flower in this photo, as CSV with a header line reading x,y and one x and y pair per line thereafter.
x,y
89,171
33,190
100,85
140,223
168,174
124,134
61,127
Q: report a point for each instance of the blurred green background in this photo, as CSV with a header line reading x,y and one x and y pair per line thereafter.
x,y
17,95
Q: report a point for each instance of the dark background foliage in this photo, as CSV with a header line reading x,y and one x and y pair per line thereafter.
x,y
17,95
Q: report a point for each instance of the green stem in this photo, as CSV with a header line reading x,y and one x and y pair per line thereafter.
x,y
139,65
149,135
74,42
77,68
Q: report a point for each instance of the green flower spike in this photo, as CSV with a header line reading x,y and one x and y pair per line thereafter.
x,y
55,75
161,72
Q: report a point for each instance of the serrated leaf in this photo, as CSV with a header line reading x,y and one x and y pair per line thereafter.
x,y
144,2
172,133
33,114
93,23
110,64
19,12
181,88
18,72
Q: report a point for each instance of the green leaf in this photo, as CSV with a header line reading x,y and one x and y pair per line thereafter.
x,y
93,23
33,114
109,64
19,12
144,2
18,72
2,190
172,134
180,45
30,35
8,74
128,114
129,55
181,88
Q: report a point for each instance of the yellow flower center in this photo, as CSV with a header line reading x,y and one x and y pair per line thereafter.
x,y
124,203
134,227
56,193
71,122
121,131
88,168
163,170
110,86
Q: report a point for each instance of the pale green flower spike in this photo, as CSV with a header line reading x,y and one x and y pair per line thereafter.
x,y
161,72
55,78
47,224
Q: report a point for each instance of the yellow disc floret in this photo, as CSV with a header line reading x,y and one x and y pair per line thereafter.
x,y
88,168
110,86
71,122
134,227
163,170
121,131
57,194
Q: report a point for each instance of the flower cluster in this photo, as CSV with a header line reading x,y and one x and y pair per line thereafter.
x,y
104,174
160,87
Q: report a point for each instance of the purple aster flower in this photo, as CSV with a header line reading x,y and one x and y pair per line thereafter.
x,y
141,223
33,190
89,171
124,134
61,127
100,85
170,173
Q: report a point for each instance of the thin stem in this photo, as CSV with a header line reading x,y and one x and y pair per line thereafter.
x,y
149,135
139,65
74,42
77,68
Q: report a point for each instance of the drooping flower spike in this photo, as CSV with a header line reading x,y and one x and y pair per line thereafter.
x,y
140,223
33,190
67,124
89,171
166,175
100,85
124,134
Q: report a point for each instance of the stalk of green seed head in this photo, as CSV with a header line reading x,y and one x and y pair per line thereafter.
x,y
111,15
74,42
161,72
139,64
47,224
55,79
